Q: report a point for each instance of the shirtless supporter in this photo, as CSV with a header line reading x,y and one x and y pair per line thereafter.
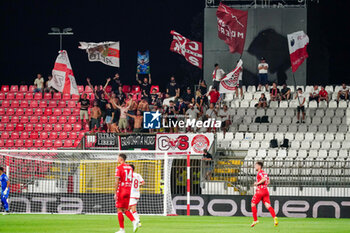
x,y
95,117
138,119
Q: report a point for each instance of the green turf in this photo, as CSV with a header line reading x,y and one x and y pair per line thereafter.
x,y
23,223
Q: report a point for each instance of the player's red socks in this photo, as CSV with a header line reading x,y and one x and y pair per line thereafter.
x,y
255,213
129,215
121,220
272,212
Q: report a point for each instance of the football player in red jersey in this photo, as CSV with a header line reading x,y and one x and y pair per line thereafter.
x,y
123,184
262,194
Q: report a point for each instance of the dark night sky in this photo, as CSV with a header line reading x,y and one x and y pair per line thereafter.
x,y
138,25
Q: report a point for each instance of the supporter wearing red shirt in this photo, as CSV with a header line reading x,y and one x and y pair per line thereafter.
x,y
322,95
214,95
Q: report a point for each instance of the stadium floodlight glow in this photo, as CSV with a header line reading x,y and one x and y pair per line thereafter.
x,y
55,31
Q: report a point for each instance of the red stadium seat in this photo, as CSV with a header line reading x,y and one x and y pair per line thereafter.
x,y
57,112
5,104
77,127
24,104
5,119
10,112
57,144
5,135
35,119
43,104
88,89
14,88
68,143
75,97
31,88
66,96
154,87
2,127
61,104
5,88
10,96
19,111
135,89
71,104
38,112
48,112
80,88
2,111
34,104
57,128
53,135
48,127
38,143
15,104
19,127
108,89
72,119
52,104
67,127
47,96
24,119
14,135
53,120
57,96
29,127
29,96
15,119
2,96
9,143
67,112
2,143
63,135
19,96
44,135
24,135
10,127
62,120
38,96
81,135
38,127
19,143
48,143
28,143
23,88
28,112
34,135
73,135
76,112
91,97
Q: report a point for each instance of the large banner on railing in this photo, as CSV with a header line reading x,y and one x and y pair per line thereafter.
x,y
137,141
180,143
285,206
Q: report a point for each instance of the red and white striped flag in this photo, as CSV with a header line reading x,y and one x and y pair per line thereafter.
x,y
297,44
62,75
231,80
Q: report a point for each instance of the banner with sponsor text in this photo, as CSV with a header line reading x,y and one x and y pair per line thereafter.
x,y
137,141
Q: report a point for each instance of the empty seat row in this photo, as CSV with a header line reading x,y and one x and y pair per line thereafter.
x,y
39,127
42,119
31,88
292,128
39,143
39,111
42,135
40,104
40,96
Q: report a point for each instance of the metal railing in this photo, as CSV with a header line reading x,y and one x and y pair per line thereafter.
x,y
287,177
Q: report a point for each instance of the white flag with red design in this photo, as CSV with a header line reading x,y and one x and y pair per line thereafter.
x,y
62,75
297,44
230,81
105,52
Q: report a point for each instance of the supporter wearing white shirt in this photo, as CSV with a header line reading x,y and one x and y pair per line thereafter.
x,y
263,68
192,113
343,93
218,74
301,108
225,118
39,83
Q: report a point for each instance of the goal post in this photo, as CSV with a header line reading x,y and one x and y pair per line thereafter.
x,y
83,182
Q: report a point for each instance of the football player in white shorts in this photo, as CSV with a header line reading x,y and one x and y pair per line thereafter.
x,y
137,181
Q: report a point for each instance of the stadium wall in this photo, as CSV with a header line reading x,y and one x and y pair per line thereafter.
x,y
266,37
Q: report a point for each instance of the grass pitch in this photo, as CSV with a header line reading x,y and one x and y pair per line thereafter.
x,y
23,223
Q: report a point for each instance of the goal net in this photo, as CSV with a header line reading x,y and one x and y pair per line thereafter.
x,y
83,182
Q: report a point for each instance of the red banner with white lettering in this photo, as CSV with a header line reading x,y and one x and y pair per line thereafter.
x,y
297,44
191,50
232,27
